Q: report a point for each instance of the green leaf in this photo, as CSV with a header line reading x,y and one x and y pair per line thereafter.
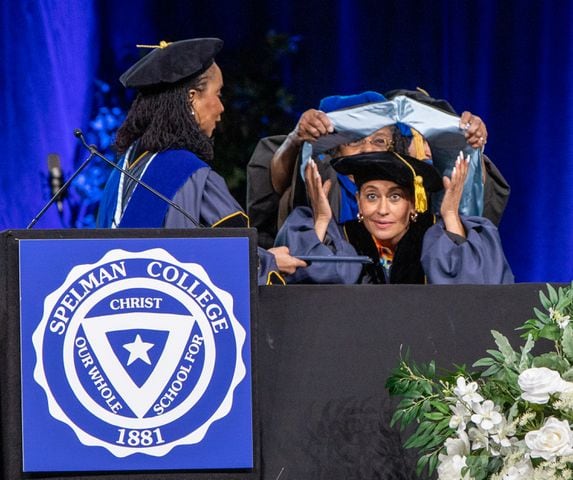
x,y
551,332
524,360
504,347
424,427
568,375
422,462
441,407
493,370
433,462
541,315
436,440
409,416
544,300
417,441
434,416
552,294
551,360
494,464
497,355
532,323
397,418
567,342
477,465
444,425
484,362
513,411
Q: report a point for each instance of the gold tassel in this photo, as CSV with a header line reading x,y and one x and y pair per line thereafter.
x,y
420,200
420,151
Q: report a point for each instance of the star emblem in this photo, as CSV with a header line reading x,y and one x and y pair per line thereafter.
x,y
138,350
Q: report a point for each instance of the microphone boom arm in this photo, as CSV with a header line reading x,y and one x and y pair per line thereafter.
x,y
93,151
56,195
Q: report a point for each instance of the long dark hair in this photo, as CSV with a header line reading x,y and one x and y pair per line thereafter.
x,y
160,118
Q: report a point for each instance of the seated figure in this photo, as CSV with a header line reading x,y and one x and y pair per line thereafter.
x,y
394,227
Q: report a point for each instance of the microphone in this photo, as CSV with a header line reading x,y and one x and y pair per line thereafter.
x,y
94,152
60,191
56,179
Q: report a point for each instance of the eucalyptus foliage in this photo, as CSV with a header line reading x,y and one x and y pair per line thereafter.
x,y
509,417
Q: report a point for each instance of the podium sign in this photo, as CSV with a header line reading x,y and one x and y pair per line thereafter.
x,y
135,354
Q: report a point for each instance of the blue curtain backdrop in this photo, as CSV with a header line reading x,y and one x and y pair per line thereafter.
x,y
49,52
510,62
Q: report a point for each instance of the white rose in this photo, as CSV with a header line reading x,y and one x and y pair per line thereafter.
x,y
538,383
450,467
567,387
554,439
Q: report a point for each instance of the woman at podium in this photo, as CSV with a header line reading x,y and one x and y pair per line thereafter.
x,y
166,142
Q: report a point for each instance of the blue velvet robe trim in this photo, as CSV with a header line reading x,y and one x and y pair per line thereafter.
x,y
144,209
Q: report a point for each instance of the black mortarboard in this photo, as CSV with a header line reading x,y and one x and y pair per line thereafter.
x,y
401,169
422,97
171,62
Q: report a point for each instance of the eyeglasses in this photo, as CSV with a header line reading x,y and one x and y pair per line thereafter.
x,y
379,142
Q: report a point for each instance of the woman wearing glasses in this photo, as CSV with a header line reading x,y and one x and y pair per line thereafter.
x,y
275,185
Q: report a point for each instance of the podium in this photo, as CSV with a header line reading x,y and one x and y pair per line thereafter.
x,y
127,354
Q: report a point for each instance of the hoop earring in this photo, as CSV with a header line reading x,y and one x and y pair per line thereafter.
x,y
414,217
359,217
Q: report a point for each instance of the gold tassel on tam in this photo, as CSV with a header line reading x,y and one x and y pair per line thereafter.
x,y
418,142
420,199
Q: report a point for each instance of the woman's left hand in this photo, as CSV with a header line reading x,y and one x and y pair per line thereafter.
x,y
474,129
454,188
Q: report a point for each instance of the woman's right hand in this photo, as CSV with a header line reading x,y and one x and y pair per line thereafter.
x,y
318,197
312,125
286,263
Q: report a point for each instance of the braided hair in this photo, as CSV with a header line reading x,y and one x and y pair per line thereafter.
x,y
161,118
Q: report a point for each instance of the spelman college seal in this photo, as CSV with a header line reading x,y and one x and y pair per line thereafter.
x,y
139,353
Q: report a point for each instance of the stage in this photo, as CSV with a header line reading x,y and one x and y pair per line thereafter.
x,y
324,353
320,358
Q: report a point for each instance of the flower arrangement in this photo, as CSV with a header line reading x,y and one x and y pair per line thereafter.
x,y
509,420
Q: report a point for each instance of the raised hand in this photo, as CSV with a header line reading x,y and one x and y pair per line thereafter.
x,y
312,125
454,188
474,129
318,197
